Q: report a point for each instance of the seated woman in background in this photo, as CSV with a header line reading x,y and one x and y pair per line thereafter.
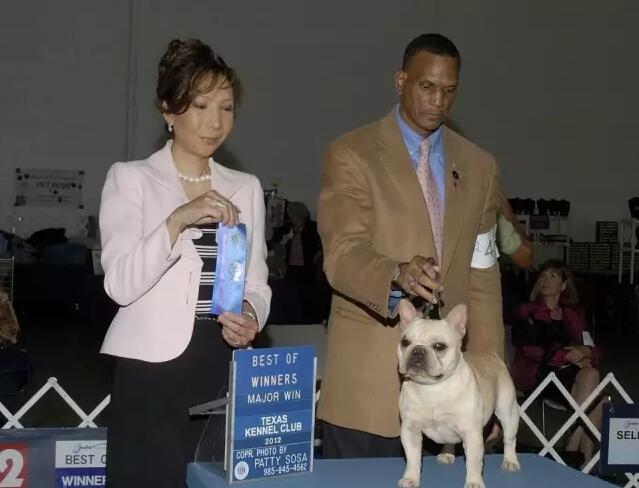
x,y
300,242
549,336
304,247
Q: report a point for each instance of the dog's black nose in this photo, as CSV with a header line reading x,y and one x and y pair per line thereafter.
x,y
418,351
417,357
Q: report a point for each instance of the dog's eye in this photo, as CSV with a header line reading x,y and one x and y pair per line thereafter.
x,y
439,347
405,342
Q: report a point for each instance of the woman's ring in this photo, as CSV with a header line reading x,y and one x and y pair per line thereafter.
x,y
217,203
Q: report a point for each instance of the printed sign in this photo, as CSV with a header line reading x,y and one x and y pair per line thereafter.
x,y
48,188
40,458
80,463
272,413
620,438
13,465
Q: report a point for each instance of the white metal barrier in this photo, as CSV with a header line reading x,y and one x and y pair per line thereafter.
x,y
87,419
579,413
13,420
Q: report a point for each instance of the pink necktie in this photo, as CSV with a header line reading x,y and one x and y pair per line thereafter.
x,y
431,195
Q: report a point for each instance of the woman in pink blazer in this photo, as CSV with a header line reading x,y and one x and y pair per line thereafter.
x,y
158,221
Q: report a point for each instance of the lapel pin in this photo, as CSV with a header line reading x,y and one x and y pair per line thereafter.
x,y
455,175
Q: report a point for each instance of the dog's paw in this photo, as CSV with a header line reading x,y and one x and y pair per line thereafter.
x,y
408,483
445,458
510,464
474,484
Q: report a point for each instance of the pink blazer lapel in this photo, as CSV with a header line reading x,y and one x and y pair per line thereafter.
x,y
224,180
163,171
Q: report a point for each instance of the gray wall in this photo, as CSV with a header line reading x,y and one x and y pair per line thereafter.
x,y
551,89
548,87
63,89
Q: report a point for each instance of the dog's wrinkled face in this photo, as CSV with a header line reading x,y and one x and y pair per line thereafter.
x,y
429,350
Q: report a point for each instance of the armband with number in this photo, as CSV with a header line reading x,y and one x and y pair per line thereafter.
x,y
485,253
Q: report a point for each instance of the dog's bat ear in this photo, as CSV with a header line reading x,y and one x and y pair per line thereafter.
x,y
421,307
407,313
457,318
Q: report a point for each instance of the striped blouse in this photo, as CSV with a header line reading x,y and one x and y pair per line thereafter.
x,y
206,247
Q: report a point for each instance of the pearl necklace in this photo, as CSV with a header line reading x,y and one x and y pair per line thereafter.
x,y
194,179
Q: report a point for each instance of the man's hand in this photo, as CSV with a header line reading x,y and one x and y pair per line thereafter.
x,y
584,363
420,277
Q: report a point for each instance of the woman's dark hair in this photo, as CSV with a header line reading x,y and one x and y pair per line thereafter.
x,y
189,68
569,296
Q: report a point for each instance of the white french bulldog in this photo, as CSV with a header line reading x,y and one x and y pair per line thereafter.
x,y
450,396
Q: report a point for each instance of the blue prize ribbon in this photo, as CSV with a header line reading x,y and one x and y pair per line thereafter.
x,y
230,270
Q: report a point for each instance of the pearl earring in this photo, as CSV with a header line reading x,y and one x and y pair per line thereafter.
x,y
170,127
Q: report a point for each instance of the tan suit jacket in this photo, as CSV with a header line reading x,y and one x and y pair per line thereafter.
x,y
372,215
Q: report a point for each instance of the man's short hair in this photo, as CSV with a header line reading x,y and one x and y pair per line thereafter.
x,y
432,43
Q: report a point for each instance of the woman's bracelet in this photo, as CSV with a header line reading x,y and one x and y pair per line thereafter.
x,y
250,314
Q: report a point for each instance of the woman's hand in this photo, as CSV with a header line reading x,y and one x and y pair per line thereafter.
x,y
210,207
238,330
556,314
584,363
577,354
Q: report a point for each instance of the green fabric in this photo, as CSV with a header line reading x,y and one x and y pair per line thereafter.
x,y
508,240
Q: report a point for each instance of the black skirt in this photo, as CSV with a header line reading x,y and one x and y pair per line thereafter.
x,y
151,437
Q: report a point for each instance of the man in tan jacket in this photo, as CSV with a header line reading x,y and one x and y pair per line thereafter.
x,y
407,208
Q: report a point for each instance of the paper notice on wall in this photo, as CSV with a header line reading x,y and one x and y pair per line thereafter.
x,y
48,188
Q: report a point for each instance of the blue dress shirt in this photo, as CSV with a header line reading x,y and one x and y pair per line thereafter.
x,y
437,164
435,154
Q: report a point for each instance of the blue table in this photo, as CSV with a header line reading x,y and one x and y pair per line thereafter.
x,y
385,472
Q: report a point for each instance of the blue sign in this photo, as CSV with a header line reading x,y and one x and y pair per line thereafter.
x,y
620,438
272,413
60,458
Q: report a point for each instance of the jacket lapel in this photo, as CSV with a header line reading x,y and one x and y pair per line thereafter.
x,y
396,160
456,196
163,172
224,180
